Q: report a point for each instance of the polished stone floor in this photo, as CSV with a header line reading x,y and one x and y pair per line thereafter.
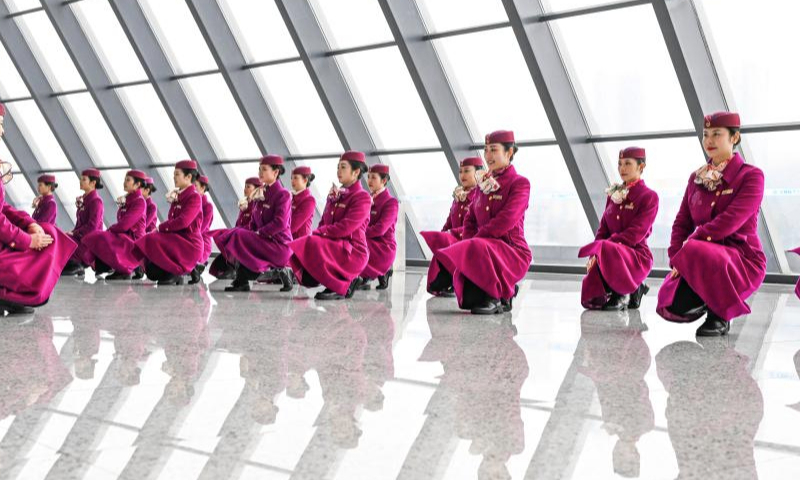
x,y
128,380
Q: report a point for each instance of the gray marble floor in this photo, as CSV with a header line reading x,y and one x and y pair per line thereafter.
x,y
128,380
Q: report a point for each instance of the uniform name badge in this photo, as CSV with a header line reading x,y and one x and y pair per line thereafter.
x,y
727,192
630,206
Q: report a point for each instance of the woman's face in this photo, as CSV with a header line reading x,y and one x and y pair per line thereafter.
x,y
267,175
466,175
2,128
130,184
249,188
146,192
346,174
201,188
181,180
43,189
375,182
719,143
497,157
629,169
86,184
299,183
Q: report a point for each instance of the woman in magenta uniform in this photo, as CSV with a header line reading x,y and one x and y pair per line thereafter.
x,y
89,218
620,259
381,243
336,252
175,249
220,268
303,203
486,265
265,244
44,206
797,287
453,230
715,253
113,249
32,256
202,186
152,209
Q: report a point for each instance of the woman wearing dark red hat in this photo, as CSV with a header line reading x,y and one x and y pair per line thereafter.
x,y
716,256
175,249
152,209
620,259
303,203
453,230
44,206
113,249
336,252
89,218
202,186
484,268
220,268
381,243
265,244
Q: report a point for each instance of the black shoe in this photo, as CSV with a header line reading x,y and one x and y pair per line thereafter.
x,y
196,274
491,306
509,304
383,280
118,276
448,292
138,274
714,326
228,274
238,287
72,269
636,297
328,294
286,277
15,308
351,290
201,267
171,280
361,284
616,303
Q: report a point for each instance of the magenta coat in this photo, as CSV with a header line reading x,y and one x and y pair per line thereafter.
x,y
453,229
27,277
208,217
89,219
381,243
797,287
152,216
178,244
336,252
715,245
623,257
46,211
494,254
265,244
245,216
303,205
115,246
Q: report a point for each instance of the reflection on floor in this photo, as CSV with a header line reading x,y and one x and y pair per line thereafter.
x,y
121,380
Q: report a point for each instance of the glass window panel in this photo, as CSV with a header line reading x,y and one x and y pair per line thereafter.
x,y
670,162
11,84
167,176
562,5
259,29
396,120
179,35
217,221
238,173
352,23
751,40
114,180
298,109
493,102
624,86
93,130
221,118
39,136
447,15
50,52
68,191
324,177
154,125
109,40
20,5
555,216
5,155
18,188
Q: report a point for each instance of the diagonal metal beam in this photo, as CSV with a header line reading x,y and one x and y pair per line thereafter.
x,y
704,92
96,79
561,104
29,165
53,112
430,79
177,105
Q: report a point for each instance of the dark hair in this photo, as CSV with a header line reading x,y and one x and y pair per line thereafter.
x,y
138,182
98,182
361,166
733,131
151,187
385,176
281,168
512,146
309,178
190,172
52,185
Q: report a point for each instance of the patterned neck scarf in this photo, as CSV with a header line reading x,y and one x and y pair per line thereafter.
x,y
619,191
710,176
487,182
460,194
172,195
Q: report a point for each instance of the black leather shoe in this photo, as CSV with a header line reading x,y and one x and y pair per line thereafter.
x,y
449,292
361,284
72,270
491,306
238,287
636,297
171,280
228,274
286,277
328,294
196,275
509,304
714,326
15,308
383,280
616,303
118,276
138,274
351,290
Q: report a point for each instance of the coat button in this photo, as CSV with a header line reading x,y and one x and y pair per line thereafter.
x,y
708,239
617,217
487,208
713,203
719,193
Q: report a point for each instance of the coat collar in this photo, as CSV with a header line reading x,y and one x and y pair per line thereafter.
x,y
508,172
299,196
133,195
187,192
735,165
92,194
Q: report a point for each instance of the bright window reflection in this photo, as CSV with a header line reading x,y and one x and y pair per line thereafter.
x,y
93,130
11,84
259,29
39,136
221,118
493,101
238,173
68,191
751,40
49,51
388,99
153,124
622,71
294,103
447,15
114,180
561,5
325,176
352,23
179,35
19,190
109,40
19,5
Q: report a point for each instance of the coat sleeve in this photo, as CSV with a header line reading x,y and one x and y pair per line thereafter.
x,y
330,204
281,217
387,219
743,206
303,214
448,224
470,227
512,211
641,224
12,231
208,214
357,213
95,219
683,225
133,213
188,212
